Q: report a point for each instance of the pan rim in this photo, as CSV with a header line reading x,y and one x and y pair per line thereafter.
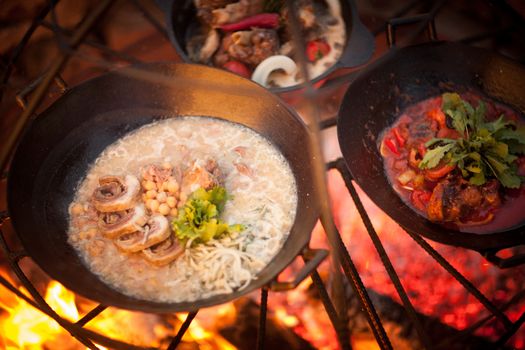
x,y
163,307
481,242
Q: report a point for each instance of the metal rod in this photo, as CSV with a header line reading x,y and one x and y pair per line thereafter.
x,y
95,44
510,332
340,328
40,92
42,305
183,328
25,39
160,28
317,163
263,315
91,315
341,166
461,279
475,326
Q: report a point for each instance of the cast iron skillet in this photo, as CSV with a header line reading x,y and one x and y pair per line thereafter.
x,y
406,76
55,153
181,21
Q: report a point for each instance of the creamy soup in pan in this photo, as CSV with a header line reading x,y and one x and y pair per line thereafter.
x,y
183,209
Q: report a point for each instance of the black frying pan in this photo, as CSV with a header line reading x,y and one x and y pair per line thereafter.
x,y
181,23
404,77
55,153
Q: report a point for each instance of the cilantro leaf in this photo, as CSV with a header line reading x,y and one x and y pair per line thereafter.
x,y
434,156
485,150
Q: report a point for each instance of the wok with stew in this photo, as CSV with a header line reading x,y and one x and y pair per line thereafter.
x,y
400,134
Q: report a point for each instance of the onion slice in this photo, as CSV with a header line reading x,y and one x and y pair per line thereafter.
x,y
265,68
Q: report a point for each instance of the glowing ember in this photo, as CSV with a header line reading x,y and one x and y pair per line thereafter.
x,y
431,289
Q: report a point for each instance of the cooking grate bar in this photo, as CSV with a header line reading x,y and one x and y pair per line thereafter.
x,y
91,315
19,48
409,308
461,279
38,301
261,332
340,328
92,43
183,328
160,28
510,332
471,329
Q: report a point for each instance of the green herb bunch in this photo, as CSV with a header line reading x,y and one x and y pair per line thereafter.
x,y
484,149
199,218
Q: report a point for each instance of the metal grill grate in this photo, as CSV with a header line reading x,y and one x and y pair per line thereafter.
x,y
30,99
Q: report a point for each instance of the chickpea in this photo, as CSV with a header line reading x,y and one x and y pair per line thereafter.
x,y
150,185
173,186
164,209
77,209
165,186
151,194
161,197
171,202
174,212
154,205
166,165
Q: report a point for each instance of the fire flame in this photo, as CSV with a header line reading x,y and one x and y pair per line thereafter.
x,y
25,327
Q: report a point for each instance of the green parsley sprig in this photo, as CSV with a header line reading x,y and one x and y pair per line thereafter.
x,y
484,150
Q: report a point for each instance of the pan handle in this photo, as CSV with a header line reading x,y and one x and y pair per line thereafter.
x,y
165,6
21,96
312,257
398,22
361,43
503,263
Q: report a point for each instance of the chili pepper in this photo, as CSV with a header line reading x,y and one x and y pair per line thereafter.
x,y
391,146
262,20
237,68
316,49
400,140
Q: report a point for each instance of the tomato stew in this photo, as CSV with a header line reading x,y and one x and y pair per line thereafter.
x,y
443,193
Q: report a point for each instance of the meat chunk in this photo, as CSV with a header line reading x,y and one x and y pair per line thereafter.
x,y
116,193
455,200
205,8
249,46
198,176
234,12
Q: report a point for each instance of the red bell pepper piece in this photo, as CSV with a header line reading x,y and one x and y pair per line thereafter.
x,y
237,68
420,199
262,20
316,49
391,146
435,174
